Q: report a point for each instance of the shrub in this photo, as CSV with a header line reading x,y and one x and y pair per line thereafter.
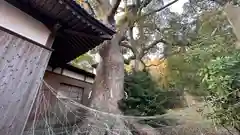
x,y
144,98
222,77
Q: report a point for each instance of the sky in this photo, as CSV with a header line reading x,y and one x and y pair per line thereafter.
x,y
177,7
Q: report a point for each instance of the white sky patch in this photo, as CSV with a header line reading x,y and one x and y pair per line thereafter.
x,y
178,6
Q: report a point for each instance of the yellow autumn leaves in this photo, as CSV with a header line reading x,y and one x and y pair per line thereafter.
x,y
159,71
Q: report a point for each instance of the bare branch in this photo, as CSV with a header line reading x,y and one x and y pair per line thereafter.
x,y
138,3
87,6
114,8
162,59
104,4
158,10
127,45
145,3
91,9
158,29
144,65
99,1
127,61
153,44
104,8
124,38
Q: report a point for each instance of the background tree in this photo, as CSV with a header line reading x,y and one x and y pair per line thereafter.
x,y
209,66
211,29
143,37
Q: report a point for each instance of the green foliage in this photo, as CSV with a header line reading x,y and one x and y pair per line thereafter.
x,y
144,98
183,75
209,43
84,57
210,68
184,67
84,62
222,77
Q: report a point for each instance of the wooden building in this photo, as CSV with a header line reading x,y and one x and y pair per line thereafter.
x,y
49,110
34,35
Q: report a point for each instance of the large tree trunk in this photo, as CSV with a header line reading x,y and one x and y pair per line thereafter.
x,y
108,86
107,91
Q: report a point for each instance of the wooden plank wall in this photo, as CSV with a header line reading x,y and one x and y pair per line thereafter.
x,y
48,109
22,66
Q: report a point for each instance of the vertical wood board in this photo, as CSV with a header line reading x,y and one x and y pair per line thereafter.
x,y
22,66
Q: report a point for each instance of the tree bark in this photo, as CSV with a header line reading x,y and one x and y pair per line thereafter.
x,y
107,91
137,63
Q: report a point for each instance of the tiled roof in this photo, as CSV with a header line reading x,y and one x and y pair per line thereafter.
x,y
79,31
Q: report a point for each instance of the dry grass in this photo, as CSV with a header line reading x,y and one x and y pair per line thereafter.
x,y
192,122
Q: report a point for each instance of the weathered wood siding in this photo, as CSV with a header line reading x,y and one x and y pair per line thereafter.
x,y
22,66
